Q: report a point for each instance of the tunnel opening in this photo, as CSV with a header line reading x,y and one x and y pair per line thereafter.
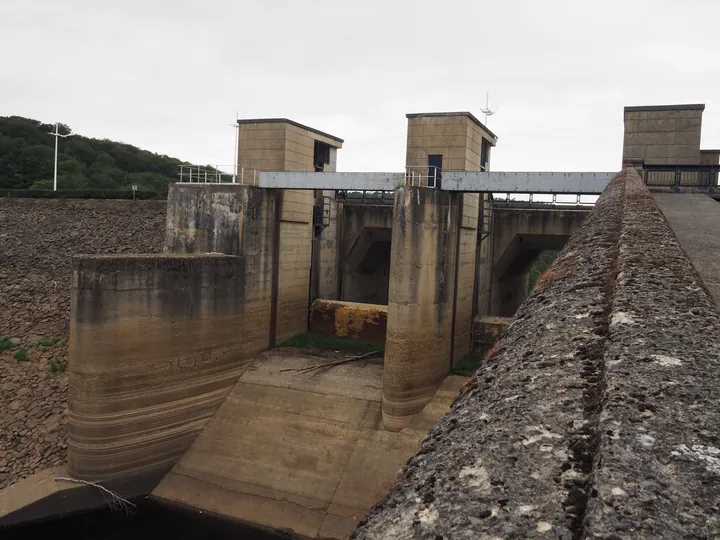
x,y
517,269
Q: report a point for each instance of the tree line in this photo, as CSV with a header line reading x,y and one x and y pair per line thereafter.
x,y
27,153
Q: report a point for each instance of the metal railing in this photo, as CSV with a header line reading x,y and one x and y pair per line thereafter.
x,y
540,200
677,177
426,176
353,196
191,174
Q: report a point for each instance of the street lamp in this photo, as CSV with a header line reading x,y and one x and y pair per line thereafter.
x,y
235,165
57,134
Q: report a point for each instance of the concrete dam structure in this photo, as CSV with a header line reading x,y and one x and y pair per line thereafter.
x,y
593,416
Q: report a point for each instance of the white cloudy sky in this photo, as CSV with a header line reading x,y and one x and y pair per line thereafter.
x,y
169,75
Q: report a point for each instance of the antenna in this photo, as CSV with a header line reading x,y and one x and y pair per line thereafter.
x,y
57,134
488,111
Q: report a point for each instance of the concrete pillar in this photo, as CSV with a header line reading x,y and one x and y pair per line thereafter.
x,y
294,239
155,346
465,274
328,265
484,258
420,307
272,230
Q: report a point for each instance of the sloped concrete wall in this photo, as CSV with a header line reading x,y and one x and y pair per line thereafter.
x,y
594,417
155,345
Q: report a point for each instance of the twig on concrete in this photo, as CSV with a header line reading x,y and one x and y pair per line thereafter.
x,y
114,501
328,365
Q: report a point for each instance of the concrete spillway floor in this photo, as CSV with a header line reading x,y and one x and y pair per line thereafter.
x,y
300,451
695,220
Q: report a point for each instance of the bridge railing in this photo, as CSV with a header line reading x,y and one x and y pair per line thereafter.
x,y
353,196
191,174
677,177
540,200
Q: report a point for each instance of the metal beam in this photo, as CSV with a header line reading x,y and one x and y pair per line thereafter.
x,y
584,183
587,183
360,181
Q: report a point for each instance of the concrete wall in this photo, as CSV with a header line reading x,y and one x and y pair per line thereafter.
x,y
328,261
295,256
272,230
365,253
155,345
662,135
455,136
420,306
465,274
234,220
518,236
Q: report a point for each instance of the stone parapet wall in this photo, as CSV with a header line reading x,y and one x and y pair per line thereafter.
x,y
595,415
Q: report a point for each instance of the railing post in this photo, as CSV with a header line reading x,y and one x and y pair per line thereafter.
x,y
677,177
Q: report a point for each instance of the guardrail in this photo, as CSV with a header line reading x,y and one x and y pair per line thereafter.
x,y
677,177
214,175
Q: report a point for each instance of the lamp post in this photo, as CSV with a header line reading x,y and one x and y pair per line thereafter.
x,y
57,134
235,164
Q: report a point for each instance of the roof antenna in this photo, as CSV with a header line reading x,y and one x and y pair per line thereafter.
x,y
488,111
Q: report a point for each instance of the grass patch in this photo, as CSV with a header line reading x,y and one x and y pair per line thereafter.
x,y
58,366
21,355
320,341
6,344
467,365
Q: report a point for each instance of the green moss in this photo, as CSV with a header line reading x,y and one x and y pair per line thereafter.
x,y
311,339
21,355
6,344
58,365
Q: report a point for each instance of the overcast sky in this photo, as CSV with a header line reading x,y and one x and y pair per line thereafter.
x,y
169,76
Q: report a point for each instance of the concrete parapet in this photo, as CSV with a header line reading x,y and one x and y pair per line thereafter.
x,y
421,296
365,322
594,417
155,346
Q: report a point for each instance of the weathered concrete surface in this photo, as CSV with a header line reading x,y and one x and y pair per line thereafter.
x,y
595,416
421,301
365,322
155,346
235,220
657,473
294,242
299,451
695,220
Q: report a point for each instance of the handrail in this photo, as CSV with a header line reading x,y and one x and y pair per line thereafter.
x,y
681,176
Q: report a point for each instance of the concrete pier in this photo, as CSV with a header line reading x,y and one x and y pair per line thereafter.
x,y
420,306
